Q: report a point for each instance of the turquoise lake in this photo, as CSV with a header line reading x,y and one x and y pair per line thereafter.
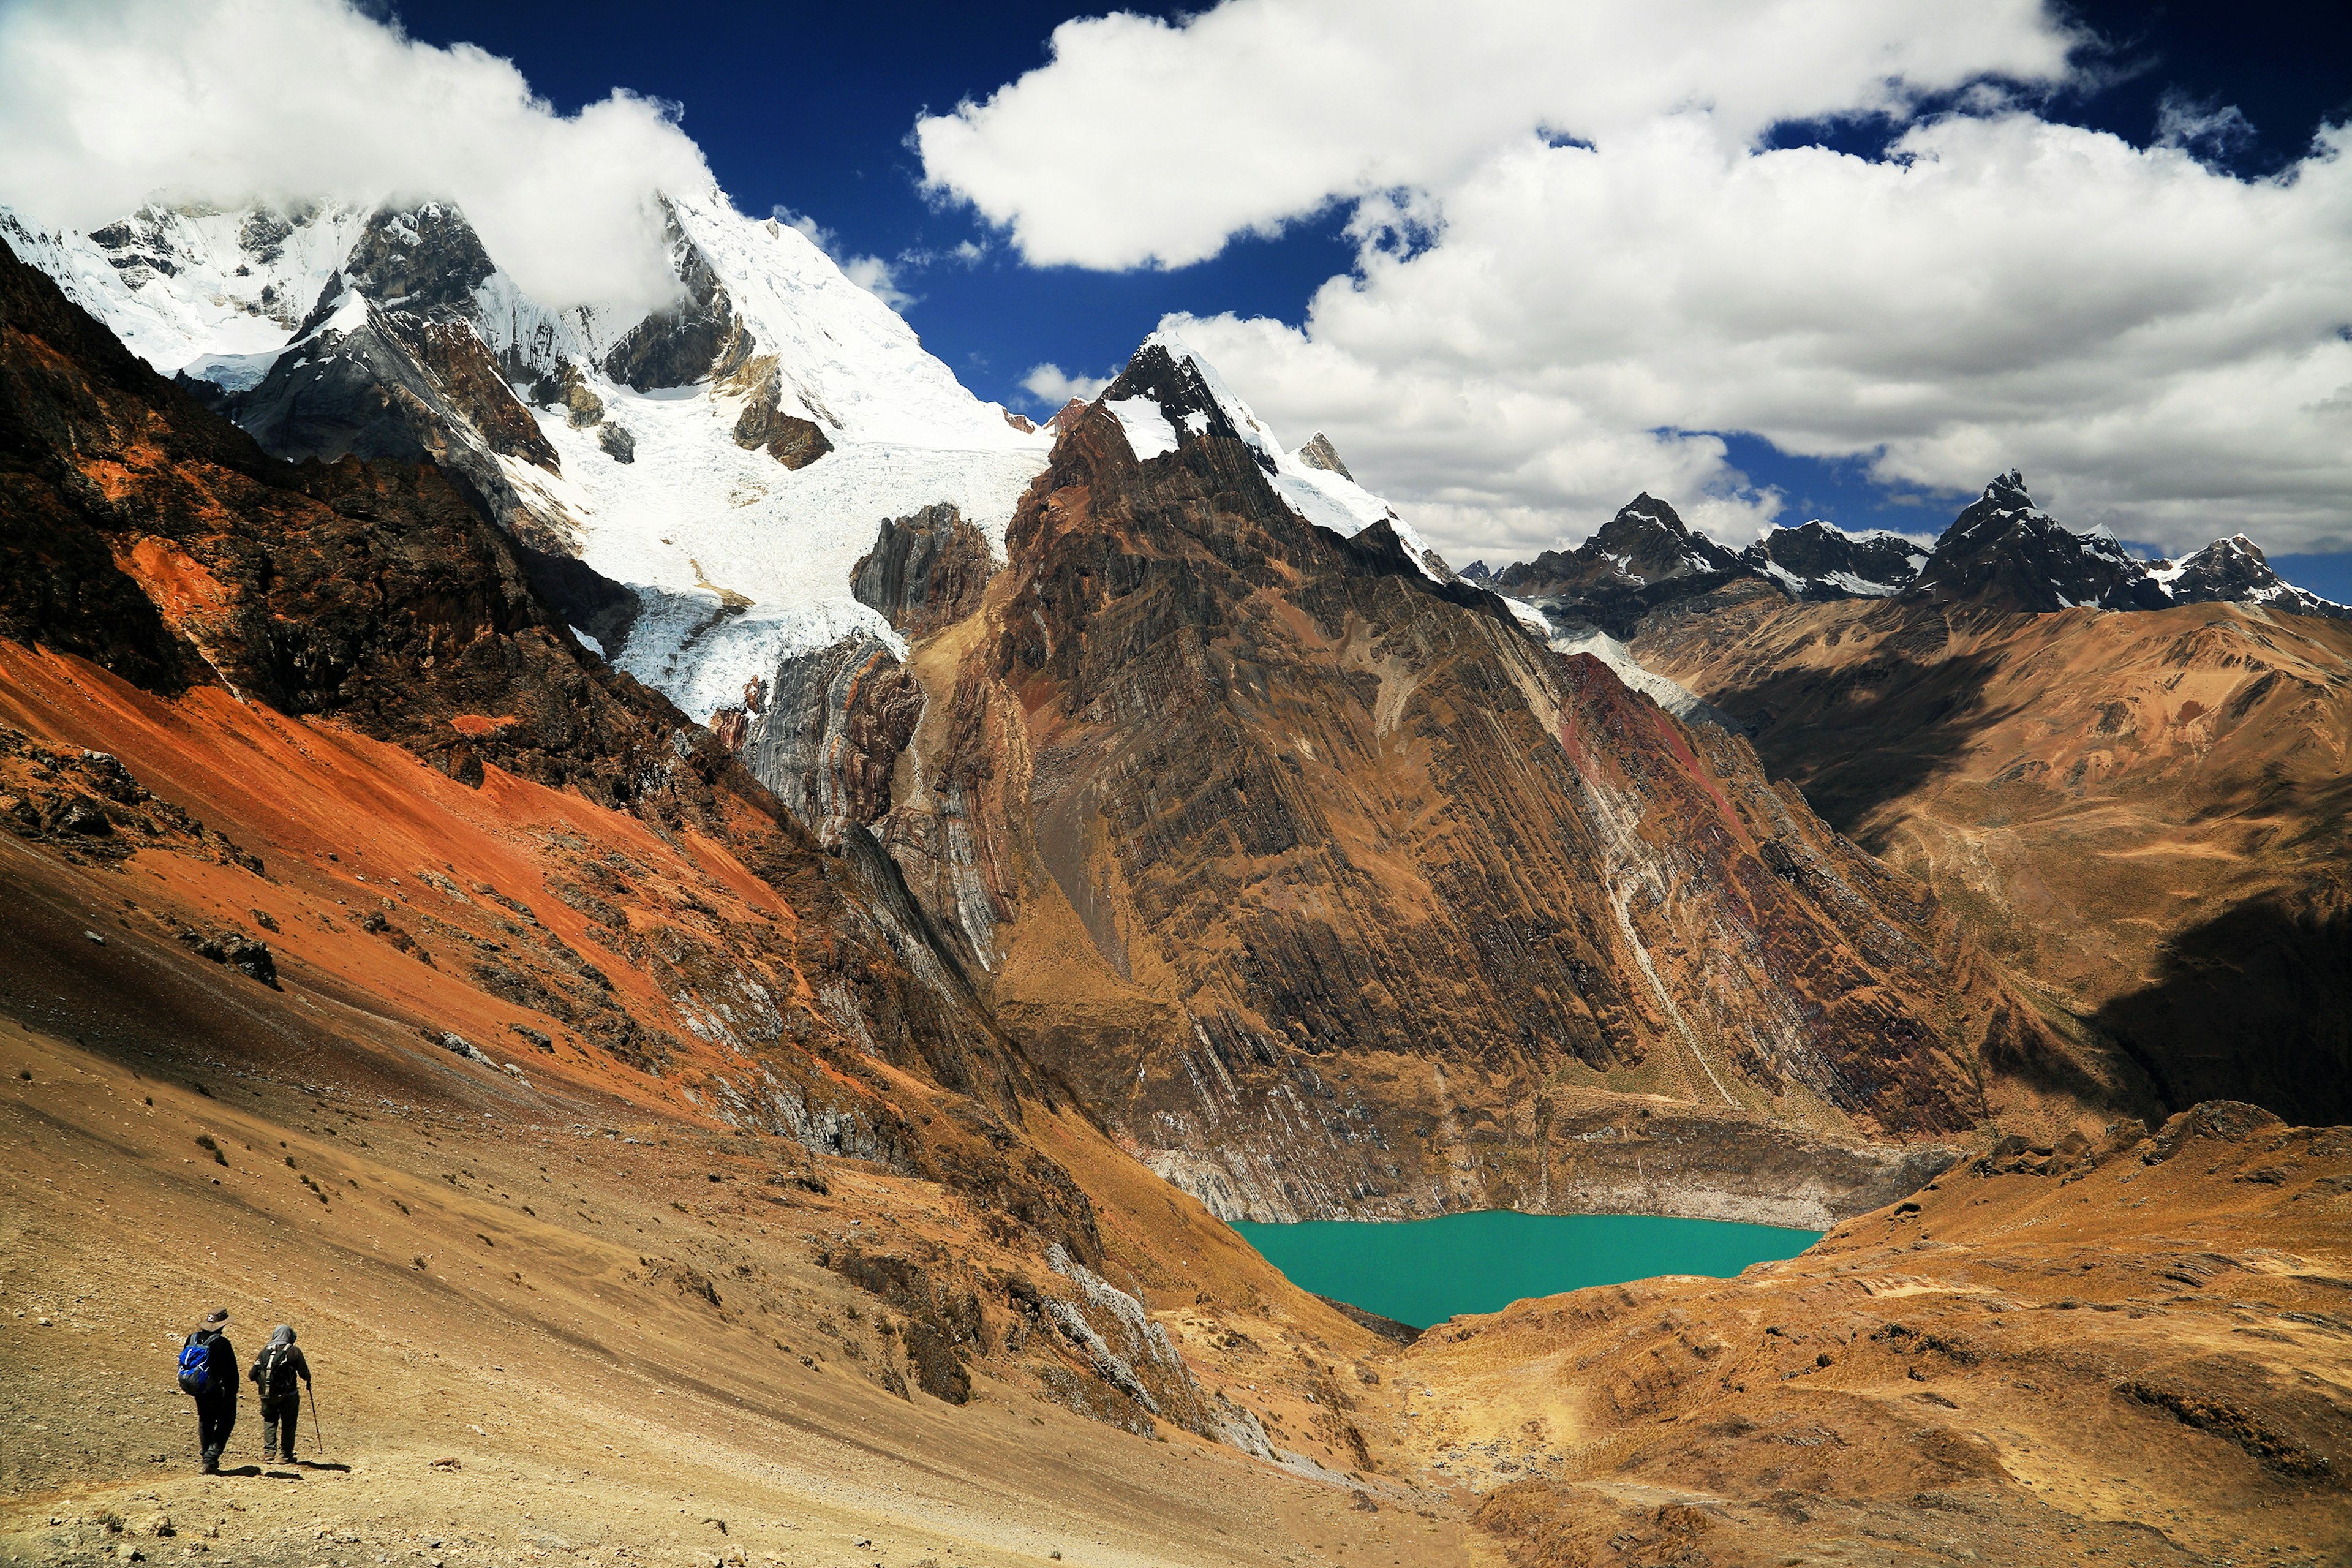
x,y
1424,1271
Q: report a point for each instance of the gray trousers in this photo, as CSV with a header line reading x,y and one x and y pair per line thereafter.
x,y
278,1419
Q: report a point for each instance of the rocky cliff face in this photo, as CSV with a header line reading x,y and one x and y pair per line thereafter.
x,y
694,338
1329,886
925,572
740,970
832,726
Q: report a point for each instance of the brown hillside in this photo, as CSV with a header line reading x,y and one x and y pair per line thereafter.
x,y
2133,1351
2145,812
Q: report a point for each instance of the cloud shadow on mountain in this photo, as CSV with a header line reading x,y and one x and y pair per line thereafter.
x,y
1858,737
2252,1005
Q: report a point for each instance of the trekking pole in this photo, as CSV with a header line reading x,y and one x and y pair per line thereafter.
x,y
314,1421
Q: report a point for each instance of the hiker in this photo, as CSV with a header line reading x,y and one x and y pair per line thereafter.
x,y
208,1374
274,1372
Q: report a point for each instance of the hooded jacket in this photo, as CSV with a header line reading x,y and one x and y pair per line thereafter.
x,y
282,1353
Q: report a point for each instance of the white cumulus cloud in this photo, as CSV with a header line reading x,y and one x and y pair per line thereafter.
x,y
1142,142
1050,386
106,104
1580,257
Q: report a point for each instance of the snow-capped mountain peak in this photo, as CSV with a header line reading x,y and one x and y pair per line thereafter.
x,y
2002,552
1645,545
1169,395
727,457
1822,561
2235,569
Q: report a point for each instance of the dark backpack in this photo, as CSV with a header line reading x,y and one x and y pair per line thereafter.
x,y
195,1365
276,1371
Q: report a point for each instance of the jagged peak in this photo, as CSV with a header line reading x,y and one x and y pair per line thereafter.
x,y
2008,488
341,307
1318,453
1650,509
2231,544
1169,395
1819,526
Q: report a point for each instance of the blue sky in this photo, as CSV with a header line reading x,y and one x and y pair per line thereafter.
x,y
810,109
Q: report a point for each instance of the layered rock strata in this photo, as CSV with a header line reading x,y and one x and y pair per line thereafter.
x,y
926,571
1322,879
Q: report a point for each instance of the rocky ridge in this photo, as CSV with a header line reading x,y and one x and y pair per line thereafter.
x,y
1328,884
2143,815
2000,552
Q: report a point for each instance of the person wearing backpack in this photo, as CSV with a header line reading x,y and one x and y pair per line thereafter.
x,y
209,1375
274,1372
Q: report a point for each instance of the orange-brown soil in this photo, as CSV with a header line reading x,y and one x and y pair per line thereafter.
x,y
537,1342
2140,1351
606,1303
2147,814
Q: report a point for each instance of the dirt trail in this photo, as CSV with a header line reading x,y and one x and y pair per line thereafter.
x,y
595,1404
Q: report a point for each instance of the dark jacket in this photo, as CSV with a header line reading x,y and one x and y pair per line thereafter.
x,y
220,1366
294,1364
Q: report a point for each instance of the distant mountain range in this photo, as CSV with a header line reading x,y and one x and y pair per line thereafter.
x,y
2002,552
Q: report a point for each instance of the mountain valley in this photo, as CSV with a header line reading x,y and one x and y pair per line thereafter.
x,y
927,871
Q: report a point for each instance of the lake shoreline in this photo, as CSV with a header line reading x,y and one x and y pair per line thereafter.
x,y
1415,1274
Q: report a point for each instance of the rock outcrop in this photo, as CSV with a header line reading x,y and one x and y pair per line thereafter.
x,y
790,438
1318,453
926,571
831,730
698,338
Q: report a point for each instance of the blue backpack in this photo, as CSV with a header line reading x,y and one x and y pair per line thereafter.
x,y
195,1362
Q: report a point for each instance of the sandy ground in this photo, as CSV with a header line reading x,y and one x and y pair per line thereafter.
x,y
2136,1355
533,1392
